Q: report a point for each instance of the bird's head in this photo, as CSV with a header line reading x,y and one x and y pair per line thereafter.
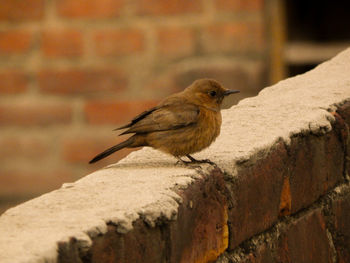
x,y
208,92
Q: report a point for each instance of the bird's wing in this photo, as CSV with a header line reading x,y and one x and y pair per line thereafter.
x,y
138,118
165,117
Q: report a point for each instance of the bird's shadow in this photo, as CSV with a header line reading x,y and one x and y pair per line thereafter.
x,y
152,164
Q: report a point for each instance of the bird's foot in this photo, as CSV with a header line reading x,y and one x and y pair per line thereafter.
x,y
193,160
188,164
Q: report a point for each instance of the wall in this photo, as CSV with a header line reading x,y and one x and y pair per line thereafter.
x,y
72,70
278,191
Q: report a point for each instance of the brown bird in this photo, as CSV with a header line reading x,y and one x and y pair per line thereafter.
x,y
181,124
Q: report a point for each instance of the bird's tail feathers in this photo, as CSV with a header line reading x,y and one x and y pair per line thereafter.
x,y
113,149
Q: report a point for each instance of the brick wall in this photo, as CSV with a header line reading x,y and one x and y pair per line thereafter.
x,y
72,70
277,191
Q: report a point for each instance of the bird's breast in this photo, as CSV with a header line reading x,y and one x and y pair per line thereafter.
x,y
208,127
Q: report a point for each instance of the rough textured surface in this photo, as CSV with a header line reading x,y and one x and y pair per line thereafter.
x,y
284,152
341,210
295,246
82,209
311,235
193,237
254,198
100,63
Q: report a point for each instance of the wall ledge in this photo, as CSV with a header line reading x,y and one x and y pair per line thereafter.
x,y
278,153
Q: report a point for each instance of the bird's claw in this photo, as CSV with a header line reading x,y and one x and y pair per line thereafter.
x,y
194,161
204,161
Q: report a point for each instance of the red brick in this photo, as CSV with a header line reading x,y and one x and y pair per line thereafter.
x,y
35,114
80,150
199,233
162,85
89,9
62,43
19,10
313,165
316,167
341,127
174,42
170,7
305,241
239,5
15,42
82,82
20,181
119,42
233,37
13,82
22,147
244,77
141,244
107,112
341,237
255,194
344,112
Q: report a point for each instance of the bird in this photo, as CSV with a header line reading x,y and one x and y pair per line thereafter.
x,y
180,125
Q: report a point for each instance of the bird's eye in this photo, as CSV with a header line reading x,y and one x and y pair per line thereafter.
x,y
212,93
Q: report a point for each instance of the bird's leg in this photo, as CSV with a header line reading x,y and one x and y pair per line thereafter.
x,y
193,160
182,161
189,164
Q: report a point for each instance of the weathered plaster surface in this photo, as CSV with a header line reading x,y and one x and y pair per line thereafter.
x,y
143,183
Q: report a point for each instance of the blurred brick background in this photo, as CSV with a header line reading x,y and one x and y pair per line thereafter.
x,y
73,70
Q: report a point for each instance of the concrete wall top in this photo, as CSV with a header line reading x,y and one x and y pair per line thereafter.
x,y
145,184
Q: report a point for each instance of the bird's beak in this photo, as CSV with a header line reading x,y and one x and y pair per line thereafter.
x,y
230,91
